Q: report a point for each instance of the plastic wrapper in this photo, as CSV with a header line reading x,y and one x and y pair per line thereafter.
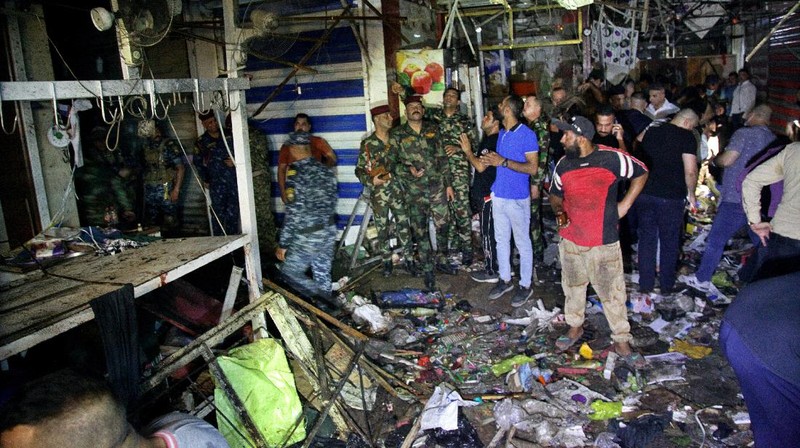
x,y
604,410
260,375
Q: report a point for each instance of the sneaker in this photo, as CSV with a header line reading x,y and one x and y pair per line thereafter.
x,y
499,289
521,295
691,280
485,277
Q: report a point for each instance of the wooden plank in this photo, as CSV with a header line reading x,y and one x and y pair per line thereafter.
x,y
52,304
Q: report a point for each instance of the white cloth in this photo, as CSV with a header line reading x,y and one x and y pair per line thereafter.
x,y
744,98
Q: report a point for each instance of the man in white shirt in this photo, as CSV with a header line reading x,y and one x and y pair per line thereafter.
x,y
744,98
660,108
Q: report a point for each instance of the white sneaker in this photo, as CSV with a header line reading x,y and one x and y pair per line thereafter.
x,y
691,280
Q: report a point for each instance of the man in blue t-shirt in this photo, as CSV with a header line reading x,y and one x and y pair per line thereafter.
x,y
516,160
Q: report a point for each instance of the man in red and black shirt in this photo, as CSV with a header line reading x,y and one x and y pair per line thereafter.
x,y
584,197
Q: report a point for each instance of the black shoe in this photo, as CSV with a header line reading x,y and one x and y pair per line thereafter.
x,y
388,267
499,289
430,281
446,268
466,259
411,267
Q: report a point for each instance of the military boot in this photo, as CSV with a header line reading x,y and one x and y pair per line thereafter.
x,y
411,267
430,281
388,267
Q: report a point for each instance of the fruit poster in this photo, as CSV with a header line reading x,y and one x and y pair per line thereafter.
x,y
421,72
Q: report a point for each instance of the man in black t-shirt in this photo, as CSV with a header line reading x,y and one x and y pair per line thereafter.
x,y
608,130
481,191
670,152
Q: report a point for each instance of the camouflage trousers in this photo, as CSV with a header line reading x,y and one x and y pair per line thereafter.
x,y
159,209
459,236
314,250
536,227
265,220
384,201
421,207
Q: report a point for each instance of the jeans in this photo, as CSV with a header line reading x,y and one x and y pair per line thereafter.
x,y
602,267
730,218
772,402
513,216
660,221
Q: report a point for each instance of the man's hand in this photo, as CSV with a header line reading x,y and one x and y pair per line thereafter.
x,y
280,254
762,229
397,89
534,192
466,145
229,162
451,150
492,158
451,194
616,129
284,197
417,172
622,209
381,179
174,195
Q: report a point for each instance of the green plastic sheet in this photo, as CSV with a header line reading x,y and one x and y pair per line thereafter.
x,y
260,375
507,364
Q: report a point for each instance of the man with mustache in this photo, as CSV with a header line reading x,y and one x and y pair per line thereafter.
x,y
421,168
584,197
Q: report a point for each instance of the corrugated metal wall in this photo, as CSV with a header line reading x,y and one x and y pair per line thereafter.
x,y
783,61
334,98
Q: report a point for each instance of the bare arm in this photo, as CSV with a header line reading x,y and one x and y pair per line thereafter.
x,y
180,171
530,166
725,158
466,146
690,176
282,168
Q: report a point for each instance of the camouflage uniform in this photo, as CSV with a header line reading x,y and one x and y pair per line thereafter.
x,y
262,192
161,160
542,129
425,196
373,157
309,229
450,129
101,189
221,181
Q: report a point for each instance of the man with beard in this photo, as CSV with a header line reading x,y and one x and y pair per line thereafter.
x,y
516,160
421,167
481,193
609,131
584,198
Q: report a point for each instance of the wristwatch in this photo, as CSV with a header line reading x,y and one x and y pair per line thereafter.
x,y
505,163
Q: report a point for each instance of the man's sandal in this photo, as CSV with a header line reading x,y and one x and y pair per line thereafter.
x,y
635,360
564,342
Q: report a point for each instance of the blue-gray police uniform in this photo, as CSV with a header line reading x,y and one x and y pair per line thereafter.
x,y
221,180
309,228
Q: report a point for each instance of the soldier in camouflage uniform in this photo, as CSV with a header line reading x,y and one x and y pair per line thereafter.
x,y
452,123
309,230
421,167
262,191
101,185
219,174
374,171
538,122
163,177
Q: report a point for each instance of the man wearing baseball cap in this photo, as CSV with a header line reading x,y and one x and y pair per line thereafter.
x,y
584,197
